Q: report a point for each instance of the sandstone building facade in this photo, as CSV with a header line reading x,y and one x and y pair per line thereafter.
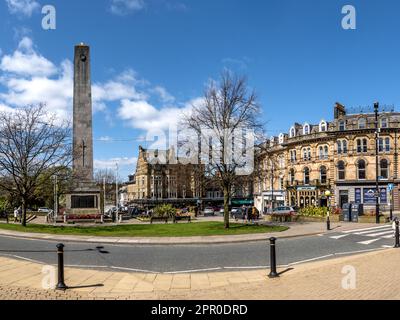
x,y
299,166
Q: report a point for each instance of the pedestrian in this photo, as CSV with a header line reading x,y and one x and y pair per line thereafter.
x,y
244,214
15,215
394,227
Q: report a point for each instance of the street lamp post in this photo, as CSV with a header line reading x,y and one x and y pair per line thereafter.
x,y
328,221
377,193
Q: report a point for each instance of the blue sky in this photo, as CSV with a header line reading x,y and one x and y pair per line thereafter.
x,y
152,58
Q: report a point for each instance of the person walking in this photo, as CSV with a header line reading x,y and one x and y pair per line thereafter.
x,y
15,215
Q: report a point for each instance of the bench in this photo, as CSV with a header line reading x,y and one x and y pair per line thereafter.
x,y
159,219
179,218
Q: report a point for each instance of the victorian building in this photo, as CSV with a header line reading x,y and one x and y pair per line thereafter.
x,y
159,179
296,168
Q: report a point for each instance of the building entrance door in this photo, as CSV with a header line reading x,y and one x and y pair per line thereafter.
x,y
343,198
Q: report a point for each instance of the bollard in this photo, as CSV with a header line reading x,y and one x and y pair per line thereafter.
x,y
397,235
60,253
328,223
273,273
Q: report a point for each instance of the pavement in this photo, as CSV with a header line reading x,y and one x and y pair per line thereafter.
x,y
372,275
295,230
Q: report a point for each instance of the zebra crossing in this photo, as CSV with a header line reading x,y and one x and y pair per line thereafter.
x,y
368,236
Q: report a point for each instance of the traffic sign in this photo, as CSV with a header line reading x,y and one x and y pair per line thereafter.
x,y
390,186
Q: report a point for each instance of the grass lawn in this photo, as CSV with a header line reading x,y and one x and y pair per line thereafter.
x,y
154,230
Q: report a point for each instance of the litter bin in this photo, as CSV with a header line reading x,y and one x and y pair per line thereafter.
x,y
347,212
357,210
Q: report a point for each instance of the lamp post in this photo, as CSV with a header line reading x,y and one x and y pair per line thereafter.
x,y
377,193
328,221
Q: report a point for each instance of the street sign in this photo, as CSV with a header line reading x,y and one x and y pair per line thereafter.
x,y
390,186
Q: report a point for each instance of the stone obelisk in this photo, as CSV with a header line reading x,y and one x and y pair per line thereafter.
x,y
84,197
82,132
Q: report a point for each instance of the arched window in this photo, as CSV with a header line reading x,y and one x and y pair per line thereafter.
x,y
307,154
323,152
292,132
341,170
323,174
291,176
323,127
306,129
362,123
281,138
306,175
362,145
384,169
384,123
361,170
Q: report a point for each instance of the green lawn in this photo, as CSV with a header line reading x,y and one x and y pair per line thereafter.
x,y
146,230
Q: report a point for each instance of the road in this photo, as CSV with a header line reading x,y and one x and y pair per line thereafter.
x,y
192,258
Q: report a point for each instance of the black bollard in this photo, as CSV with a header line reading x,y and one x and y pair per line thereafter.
x,y
273,273
328,223
60,253
397,234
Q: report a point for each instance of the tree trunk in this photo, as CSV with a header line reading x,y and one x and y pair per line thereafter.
x,y
226,206
23,220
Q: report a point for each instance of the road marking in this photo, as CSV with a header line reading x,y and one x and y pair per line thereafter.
x,y
27,259
369,241
385,246
388,237
255,267
308,260
358,251
188,271
355,230
131,269
339,237
85,266
370,231
380,234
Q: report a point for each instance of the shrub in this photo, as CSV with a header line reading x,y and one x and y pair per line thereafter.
x,y
314,211
165,210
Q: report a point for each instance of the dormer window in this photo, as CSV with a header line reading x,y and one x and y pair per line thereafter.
x,y
306,129
342,125
362,123
292,133
384,123
272,141
281,138
323,127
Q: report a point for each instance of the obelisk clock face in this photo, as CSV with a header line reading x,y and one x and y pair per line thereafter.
x,y
83,57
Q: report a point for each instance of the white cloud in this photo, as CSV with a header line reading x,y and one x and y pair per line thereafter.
x,y
22,7
123,7
142,115
26,62
30,78
164,95
111,163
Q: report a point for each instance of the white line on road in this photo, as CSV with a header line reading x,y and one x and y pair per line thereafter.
x,y
358,251
369,241
188,271
339,237
131,269
27,259
380,234
308,260
385,246
355,230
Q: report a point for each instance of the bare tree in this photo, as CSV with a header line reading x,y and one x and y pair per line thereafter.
x,y
34,144
229,107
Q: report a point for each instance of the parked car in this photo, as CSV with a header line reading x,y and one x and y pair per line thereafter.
x,y
44,210
284,211
221,211
209,211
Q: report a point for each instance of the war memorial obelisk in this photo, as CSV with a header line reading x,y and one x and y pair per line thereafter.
x,y
84,196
